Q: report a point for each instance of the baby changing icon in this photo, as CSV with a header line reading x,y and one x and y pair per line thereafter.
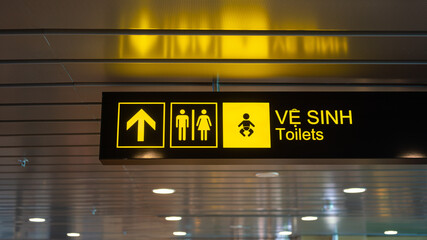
x,y
246,124
193,125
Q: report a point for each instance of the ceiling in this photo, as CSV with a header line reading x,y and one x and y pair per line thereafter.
x,y
57,57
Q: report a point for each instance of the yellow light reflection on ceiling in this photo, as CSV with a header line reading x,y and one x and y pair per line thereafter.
x,y
225,70
219,15
222,15
233,47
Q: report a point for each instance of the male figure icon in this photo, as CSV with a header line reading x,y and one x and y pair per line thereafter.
x,y
246,126
182,123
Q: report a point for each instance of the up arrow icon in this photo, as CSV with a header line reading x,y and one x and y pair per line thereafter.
x,y
141,117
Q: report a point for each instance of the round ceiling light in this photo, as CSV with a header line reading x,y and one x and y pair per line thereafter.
x,y
179,233
73,234
390,232
309,218
37,220
354,190
173,218
236,226
285,233
163,191
267,174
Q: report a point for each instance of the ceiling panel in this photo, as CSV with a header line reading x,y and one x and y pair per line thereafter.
x,y
57,57
14,14
332,88
35,128
49,112
321,72
93,93
38,94
91,46
133,72
21,152
32,73
24,47
364,15
128,73
46,160
50,140
260,212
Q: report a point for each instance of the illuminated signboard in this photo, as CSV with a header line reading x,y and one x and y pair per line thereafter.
x,y
263,128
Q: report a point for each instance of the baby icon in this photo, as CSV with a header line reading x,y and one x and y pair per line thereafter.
x,y
246,126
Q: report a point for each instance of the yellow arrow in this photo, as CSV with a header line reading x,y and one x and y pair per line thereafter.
x,y
141,117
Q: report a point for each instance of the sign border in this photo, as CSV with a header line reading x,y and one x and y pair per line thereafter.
x,y
373,154
118,121
216,125
240,147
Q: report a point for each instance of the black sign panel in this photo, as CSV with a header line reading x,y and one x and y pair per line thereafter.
x,y
263,128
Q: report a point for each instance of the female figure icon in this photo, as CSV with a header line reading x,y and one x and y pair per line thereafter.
x,y
204,125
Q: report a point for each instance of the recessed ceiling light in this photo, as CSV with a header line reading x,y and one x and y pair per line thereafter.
x,y
37,220
163,191
390,232
267,174
309,218
73,234
173,218
354,190
179,233
236,226
285,233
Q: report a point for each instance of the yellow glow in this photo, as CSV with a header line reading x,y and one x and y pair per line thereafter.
x,y
148,154
236,15
229,70
246,131
143,45
244,47
288,45
222,15
241,15
232,47
413,155
324,46
219,14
